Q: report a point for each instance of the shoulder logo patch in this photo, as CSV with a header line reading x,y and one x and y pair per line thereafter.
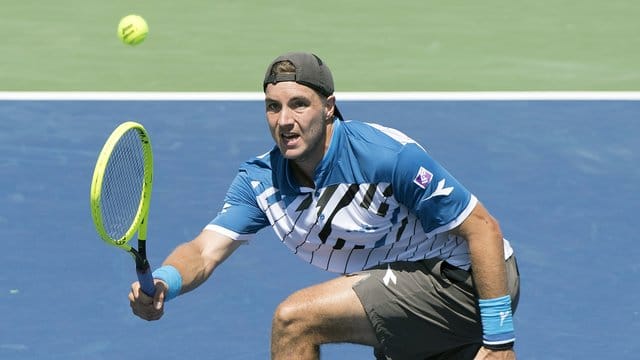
x,y
423,178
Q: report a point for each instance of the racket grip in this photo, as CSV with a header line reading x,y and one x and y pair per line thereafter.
x,y
145,277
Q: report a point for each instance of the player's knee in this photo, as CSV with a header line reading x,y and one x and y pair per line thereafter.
x,y
286,316
291,317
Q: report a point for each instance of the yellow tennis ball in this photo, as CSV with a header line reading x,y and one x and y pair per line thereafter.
x,y
132,29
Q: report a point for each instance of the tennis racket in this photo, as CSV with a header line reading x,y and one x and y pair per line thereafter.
x,y
121,193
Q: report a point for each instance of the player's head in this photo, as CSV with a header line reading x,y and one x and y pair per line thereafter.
x,y
303,68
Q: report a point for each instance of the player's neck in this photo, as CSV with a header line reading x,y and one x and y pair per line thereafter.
x,y
303,175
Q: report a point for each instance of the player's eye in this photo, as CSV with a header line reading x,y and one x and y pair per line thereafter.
x,y
299,104
272,107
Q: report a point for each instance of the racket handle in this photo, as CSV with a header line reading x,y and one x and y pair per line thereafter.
x,y
145,277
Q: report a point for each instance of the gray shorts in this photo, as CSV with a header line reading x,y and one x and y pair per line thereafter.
x,y
430,312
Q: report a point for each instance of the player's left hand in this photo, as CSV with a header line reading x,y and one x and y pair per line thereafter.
x,y
486,354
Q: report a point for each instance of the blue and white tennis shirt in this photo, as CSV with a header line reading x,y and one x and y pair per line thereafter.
x,y
379,198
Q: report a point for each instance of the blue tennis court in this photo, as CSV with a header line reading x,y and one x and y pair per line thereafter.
x,y
560,176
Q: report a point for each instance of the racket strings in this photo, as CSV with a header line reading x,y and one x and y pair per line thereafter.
x,y
122,185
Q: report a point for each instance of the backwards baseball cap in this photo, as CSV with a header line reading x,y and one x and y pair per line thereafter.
x,y
310,71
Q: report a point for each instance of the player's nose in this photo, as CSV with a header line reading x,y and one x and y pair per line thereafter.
x,y
286,117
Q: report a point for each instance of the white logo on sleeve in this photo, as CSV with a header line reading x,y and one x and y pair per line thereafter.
x,y
440,190
225,207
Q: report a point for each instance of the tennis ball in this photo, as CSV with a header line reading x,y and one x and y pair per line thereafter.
x,y
132,29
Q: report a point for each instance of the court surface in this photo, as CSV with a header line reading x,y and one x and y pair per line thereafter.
x,y
560,176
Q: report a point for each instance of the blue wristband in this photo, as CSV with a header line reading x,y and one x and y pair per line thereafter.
x,y
172,277
497,323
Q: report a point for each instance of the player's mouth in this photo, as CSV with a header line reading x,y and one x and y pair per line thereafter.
x,y
289,139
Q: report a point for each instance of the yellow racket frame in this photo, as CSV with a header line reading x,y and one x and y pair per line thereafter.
x,y
139,223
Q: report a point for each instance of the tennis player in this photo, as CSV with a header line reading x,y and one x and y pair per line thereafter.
x,y
426,271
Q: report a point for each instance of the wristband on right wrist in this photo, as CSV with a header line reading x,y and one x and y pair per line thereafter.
x,y
172,277
497,323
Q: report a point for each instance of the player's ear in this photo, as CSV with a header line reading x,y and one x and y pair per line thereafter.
x,y
330,107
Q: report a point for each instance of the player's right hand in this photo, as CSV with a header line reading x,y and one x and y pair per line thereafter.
x,y
144,306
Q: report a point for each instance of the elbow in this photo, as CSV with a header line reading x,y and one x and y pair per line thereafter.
x,y
493,227
480,225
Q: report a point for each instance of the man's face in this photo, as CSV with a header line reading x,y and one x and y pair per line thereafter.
x,y
298,119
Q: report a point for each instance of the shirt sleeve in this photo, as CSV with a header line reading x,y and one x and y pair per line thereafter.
x,y
240,217
430,191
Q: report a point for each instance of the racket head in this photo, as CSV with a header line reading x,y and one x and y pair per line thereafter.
x,y
121,185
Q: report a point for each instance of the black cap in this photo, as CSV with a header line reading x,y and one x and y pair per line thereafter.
x,y
311,71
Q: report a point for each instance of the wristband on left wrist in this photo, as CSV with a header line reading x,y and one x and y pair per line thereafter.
x,y
497,323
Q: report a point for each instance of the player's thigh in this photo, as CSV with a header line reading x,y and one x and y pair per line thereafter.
x,y
331,310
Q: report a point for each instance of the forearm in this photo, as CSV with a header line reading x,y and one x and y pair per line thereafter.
x,y
196,260
186,268
193,268
488,264
486,248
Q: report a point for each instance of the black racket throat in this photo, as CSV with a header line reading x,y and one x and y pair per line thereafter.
x,y
140,256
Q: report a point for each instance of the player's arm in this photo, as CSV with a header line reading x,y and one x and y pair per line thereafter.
x,y
186,268
196,260
486,249
444,204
